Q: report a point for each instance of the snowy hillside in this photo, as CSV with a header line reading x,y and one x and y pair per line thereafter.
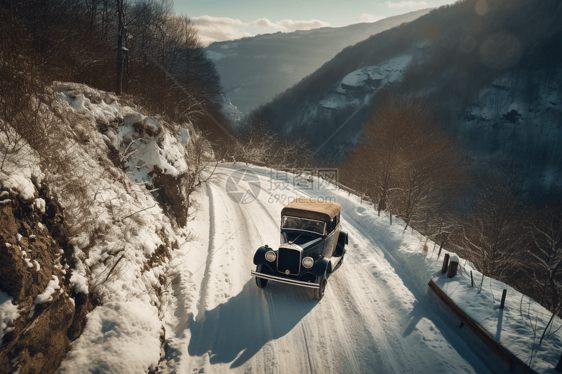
x,y
119,235
354,90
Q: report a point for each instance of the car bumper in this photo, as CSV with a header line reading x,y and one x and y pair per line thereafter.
x,y
294,282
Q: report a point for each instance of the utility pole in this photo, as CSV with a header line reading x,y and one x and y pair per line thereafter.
x,y
120,48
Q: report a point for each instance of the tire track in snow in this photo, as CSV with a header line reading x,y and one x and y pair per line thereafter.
x,y
360,300
306,325
344,337
212,231
241,223
243,232
304,334
389,270
357,328
335,309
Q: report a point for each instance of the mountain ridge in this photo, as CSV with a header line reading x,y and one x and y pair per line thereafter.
x,y
458,59
254,69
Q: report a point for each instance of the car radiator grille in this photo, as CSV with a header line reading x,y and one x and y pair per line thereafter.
x,y
289,259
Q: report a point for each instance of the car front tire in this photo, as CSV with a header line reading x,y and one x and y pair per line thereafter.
x,y
261,282
319,292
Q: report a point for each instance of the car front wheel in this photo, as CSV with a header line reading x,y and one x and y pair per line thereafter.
x,y
261,282
319,292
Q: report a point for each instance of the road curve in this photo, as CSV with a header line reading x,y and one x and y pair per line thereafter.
x,y
371,318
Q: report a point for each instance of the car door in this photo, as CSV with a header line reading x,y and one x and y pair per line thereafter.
x,y
333,228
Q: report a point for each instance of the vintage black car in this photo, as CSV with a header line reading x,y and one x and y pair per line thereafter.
x,y
312,247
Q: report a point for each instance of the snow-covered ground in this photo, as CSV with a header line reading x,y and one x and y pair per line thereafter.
x,y
385,70
376,316
8,313
127,265
357,87
121,236
518,326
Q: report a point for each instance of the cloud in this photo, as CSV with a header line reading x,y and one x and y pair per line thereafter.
x,y
215,29
288,25
406,4
291,25
370,18
265,23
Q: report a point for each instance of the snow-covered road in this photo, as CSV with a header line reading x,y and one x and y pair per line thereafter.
x,y
374,317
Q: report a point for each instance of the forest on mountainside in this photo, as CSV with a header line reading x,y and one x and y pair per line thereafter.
x,y
139,49
492,69
407,167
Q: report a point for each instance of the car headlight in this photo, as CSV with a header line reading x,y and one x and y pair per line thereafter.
x,y
270,256
307,262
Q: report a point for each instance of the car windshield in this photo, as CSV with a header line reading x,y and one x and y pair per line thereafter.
x,y
303,224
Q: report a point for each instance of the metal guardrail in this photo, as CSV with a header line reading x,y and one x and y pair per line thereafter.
x,y
494,345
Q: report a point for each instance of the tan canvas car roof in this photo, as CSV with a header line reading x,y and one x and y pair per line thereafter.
x,y
312,208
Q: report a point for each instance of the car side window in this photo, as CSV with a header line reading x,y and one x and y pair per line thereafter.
x,y
330,226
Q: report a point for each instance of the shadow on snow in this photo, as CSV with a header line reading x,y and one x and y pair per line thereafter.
x,y
238,329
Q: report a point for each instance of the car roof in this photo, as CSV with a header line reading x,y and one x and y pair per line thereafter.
x,y
312,208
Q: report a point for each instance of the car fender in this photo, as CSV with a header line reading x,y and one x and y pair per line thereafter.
x,y
259,256
343,238
320,267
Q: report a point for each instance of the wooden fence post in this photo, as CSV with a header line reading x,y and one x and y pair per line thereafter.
x,y
445,263
440,248
453,269
558,367
503,299
471,279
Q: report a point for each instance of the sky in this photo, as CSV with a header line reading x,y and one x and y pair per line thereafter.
x,y
219,20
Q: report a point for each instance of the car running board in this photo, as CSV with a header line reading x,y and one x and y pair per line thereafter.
x,y
285,280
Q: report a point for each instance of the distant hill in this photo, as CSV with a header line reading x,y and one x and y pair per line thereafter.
x,y
253,70
494,74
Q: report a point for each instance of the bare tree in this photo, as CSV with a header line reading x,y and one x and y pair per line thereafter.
x,y
404,162
121,34
260,145
202,164
544,228
23,94
492,231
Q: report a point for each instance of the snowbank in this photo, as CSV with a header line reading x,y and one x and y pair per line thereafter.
x,y
8,313
116,147
46,295
518,327
392,69
120,337
21,184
